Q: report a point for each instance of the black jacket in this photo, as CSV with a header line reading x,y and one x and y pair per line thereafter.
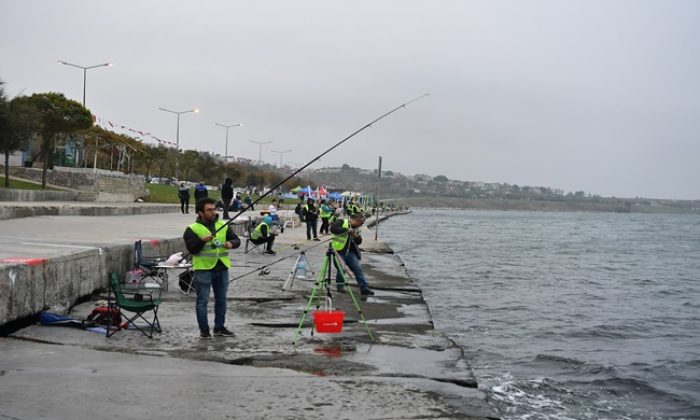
x,y
227,192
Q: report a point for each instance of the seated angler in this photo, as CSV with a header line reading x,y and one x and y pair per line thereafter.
x,y
262,234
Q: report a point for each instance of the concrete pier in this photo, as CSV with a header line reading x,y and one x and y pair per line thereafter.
x,y
411,370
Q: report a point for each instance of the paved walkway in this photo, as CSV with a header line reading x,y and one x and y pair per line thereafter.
x,y
410,371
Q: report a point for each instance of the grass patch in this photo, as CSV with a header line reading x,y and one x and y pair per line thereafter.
x,y
23,185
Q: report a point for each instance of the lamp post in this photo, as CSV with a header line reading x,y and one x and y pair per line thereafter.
x,y
85,69
227,127
281,154
260,143
177,137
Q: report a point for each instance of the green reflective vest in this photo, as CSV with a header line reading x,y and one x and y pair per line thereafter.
x,y
207,258
257,232
326,212
339,241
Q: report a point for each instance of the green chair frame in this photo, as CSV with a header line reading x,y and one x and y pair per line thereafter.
x,y
139,302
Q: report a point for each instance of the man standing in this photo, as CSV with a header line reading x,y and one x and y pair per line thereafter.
x,y
184,193
200,191
311,217
346,241
208,240
326,213
227,195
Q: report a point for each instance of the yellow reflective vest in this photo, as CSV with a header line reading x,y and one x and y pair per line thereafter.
x,y
207,258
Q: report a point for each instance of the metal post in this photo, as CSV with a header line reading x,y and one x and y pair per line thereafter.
x,y
97,142
376,200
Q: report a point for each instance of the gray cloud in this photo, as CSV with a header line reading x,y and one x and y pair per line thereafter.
x,y
582,95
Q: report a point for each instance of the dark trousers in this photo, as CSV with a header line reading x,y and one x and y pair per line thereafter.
x,y
269,240
227,204
185,205
324,224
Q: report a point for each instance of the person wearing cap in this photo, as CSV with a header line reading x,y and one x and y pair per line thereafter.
x,y
262,234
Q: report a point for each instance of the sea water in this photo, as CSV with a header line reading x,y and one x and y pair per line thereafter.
x,y
565,315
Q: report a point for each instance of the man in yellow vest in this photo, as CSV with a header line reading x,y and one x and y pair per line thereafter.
x,y
262,234
208,240
346,240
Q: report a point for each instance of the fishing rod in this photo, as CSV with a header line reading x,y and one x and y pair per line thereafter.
x,y
279,184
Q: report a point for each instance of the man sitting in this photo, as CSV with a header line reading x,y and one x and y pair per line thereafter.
x,y
262,234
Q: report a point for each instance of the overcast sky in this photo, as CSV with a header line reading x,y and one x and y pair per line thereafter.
x,y
599,96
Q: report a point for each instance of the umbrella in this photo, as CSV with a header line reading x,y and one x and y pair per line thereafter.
x,y
296,189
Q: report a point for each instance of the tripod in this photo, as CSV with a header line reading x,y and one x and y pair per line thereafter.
x,y
301,266
324,280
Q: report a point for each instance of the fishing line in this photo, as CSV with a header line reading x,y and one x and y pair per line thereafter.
x,y
262,267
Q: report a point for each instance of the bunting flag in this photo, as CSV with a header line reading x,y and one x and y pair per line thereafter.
x,y
137,134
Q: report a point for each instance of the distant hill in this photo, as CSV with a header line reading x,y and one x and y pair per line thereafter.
x,y
439,191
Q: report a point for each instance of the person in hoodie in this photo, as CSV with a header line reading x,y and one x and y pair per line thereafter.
x,y
209,240
227,195
200,191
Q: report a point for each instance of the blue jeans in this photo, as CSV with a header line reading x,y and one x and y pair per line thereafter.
x,y
204,281
311,226
354,265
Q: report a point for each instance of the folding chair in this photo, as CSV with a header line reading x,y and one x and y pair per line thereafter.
x,y
139,302
148,265
248,243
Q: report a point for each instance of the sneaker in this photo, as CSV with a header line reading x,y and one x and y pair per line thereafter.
x,y
204,333
366,292
270,252
223,332
316,239
340,289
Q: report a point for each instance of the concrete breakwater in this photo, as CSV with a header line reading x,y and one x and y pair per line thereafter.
x,y
410,371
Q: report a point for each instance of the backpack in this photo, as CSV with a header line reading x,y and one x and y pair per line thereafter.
x,y
104,315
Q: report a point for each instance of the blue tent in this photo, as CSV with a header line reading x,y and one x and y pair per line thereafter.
x,y
335,196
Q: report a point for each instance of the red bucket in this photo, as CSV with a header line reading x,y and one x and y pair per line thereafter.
x,y
328,321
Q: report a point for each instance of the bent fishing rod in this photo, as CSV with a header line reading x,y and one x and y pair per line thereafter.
x,y
279,184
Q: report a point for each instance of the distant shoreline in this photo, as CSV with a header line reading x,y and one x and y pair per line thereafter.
x,y
621,206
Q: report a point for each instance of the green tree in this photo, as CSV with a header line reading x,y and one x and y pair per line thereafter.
x,y
440,178
18,122
59,116
188,162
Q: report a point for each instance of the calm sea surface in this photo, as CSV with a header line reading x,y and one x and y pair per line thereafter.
x,y
565,315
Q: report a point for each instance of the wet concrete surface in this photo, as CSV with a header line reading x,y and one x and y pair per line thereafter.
x,y
410,370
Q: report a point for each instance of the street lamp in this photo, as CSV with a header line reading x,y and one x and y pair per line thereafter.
x,y
227,127
85,69
259,143
281,154
177,137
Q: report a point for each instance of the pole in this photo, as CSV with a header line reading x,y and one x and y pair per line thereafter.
x,y
226,150
84,85
97,142
177,149
376,200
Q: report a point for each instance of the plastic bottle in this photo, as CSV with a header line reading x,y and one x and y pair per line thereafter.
x,y
301,269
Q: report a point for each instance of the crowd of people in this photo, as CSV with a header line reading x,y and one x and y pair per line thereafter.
x,y
210,238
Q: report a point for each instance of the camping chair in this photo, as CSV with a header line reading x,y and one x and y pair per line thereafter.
x,y
148,265
138,302
248,243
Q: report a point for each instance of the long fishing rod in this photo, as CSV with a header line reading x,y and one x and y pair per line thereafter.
x,y
279,184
